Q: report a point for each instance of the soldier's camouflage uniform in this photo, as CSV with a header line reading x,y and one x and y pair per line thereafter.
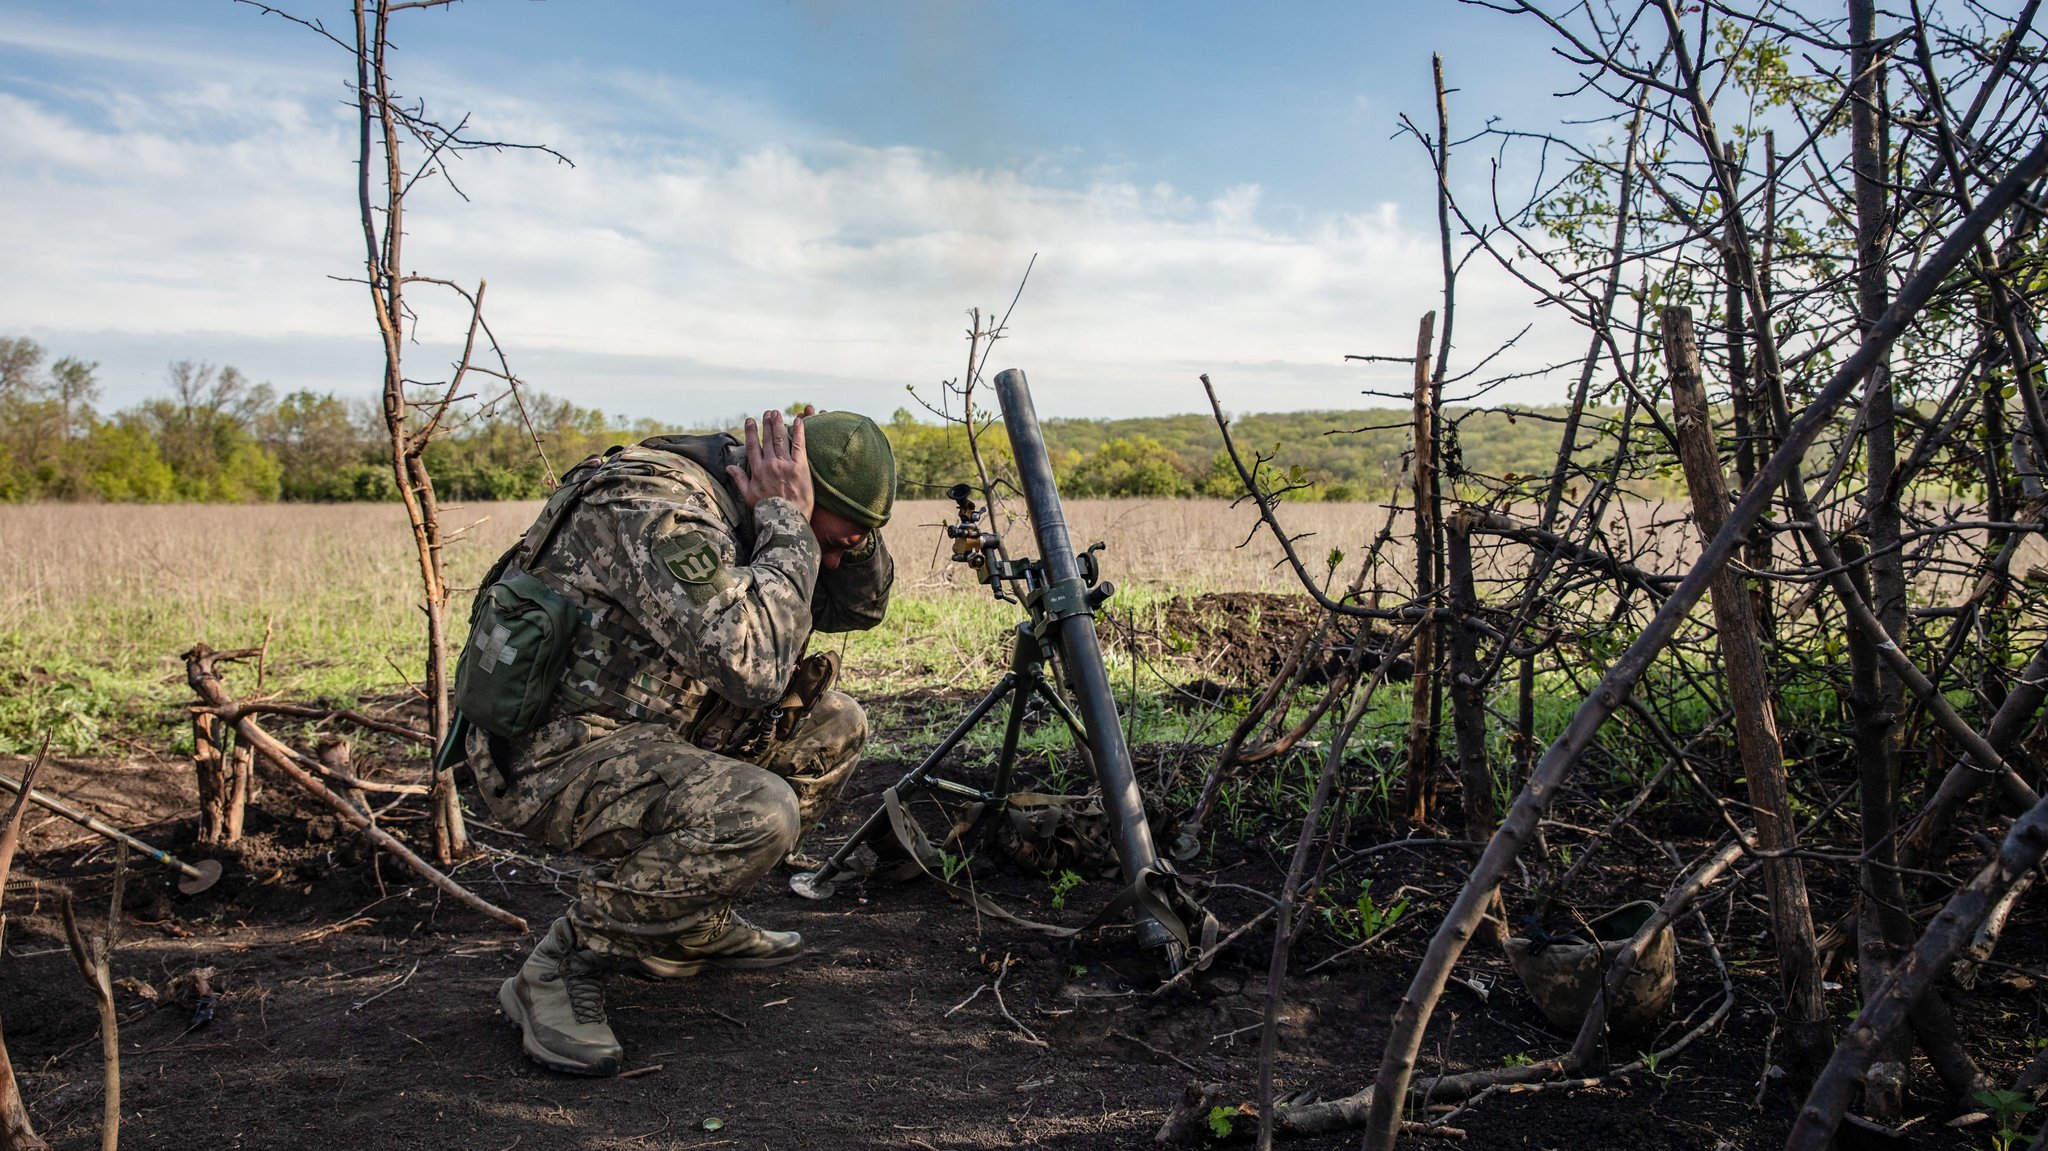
x,y
685,594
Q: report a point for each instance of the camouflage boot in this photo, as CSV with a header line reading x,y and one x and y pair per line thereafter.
x,y
727,941
557,999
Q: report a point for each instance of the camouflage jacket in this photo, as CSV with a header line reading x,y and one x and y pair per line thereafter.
x,y
685,592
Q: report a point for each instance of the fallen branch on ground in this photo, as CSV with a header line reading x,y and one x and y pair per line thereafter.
x,y
236,711
205,681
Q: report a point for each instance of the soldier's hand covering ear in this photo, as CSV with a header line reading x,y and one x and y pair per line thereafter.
x,y
776,464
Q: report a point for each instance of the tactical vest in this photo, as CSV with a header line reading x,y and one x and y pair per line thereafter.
x,y
613,667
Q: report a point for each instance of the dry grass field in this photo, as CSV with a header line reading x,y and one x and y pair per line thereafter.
x,y
96,601
214,565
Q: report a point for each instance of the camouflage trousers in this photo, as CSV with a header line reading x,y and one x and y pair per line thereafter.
x,y
683,832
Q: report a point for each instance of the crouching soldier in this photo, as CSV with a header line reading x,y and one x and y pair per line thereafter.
x,y
635,688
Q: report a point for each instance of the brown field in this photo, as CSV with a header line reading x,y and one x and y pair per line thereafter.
x,y
146,571
202,563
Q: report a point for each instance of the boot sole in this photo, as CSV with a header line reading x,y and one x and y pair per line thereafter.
x,y
508,1002
669,969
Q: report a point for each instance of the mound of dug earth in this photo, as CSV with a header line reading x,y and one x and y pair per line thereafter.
x,y
1237,639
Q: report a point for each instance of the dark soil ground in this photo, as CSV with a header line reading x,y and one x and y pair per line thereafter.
x,y
357,1011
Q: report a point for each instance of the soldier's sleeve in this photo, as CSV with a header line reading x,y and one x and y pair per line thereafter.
x,y
855,595
736,622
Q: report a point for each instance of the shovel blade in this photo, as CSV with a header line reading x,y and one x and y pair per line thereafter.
x,y
209,874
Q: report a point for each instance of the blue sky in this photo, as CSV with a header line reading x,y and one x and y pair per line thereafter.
x,y
770,201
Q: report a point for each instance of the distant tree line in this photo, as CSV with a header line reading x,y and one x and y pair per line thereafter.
x,y
1311,455
220,437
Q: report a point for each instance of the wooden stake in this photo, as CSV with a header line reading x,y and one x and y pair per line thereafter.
x,y
1468,705
95,960
10,833
1756,725
16,1134
1421,712
223,777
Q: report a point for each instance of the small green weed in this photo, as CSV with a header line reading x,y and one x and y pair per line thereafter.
x,y
1236,811
1063,885
1057,777
1364,919
1650,1061
2008,1108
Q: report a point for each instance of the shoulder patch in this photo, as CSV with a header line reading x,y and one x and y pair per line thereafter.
x,y
689,557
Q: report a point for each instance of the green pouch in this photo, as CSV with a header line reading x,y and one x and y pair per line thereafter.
x,y
518,644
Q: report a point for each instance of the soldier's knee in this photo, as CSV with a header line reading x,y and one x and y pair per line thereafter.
x,y
766,816
782,819
723,804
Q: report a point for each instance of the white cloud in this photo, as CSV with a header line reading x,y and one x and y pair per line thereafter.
x,y
688,275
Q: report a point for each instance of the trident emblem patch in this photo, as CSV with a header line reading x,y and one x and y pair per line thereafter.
x,y
688,557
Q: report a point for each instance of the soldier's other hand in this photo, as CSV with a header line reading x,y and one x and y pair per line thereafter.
x,y
777,466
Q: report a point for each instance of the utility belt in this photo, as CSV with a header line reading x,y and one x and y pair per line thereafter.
x,y
726,728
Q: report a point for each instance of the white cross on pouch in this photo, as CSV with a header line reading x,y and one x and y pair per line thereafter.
x,y
495,649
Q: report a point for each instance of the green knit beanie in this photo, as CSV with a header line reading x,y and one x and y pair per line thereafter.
x,y
853,469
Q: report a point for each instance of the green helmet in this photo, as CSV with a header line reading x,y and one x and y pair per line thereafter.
x,y
853,469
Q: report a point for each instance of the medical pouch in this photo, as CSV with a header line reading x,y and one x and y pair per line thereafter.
x,y
518,643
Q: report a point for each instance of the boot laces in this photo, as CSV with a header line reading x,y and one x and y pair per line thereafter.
x,y
730,919
581,974
721,921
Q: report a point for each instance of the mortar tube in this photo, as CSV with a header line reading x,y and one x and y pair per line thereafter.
x,y
1079,645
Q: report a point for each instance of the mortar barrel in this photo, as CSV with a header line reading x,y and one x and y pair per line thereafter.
x,y
1080,647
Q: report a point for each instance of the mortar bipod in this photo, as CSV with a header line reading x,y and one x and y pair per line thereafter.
x,y
1024,679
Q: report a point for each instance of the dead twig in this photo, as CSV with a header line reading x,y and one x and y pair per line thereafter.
x,y
16,1133
1028,1035
964,1002
95,958
1162,1052
394,985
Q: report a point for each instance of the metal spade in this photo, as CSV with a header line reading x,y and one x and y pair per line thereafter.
x,y
197,877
